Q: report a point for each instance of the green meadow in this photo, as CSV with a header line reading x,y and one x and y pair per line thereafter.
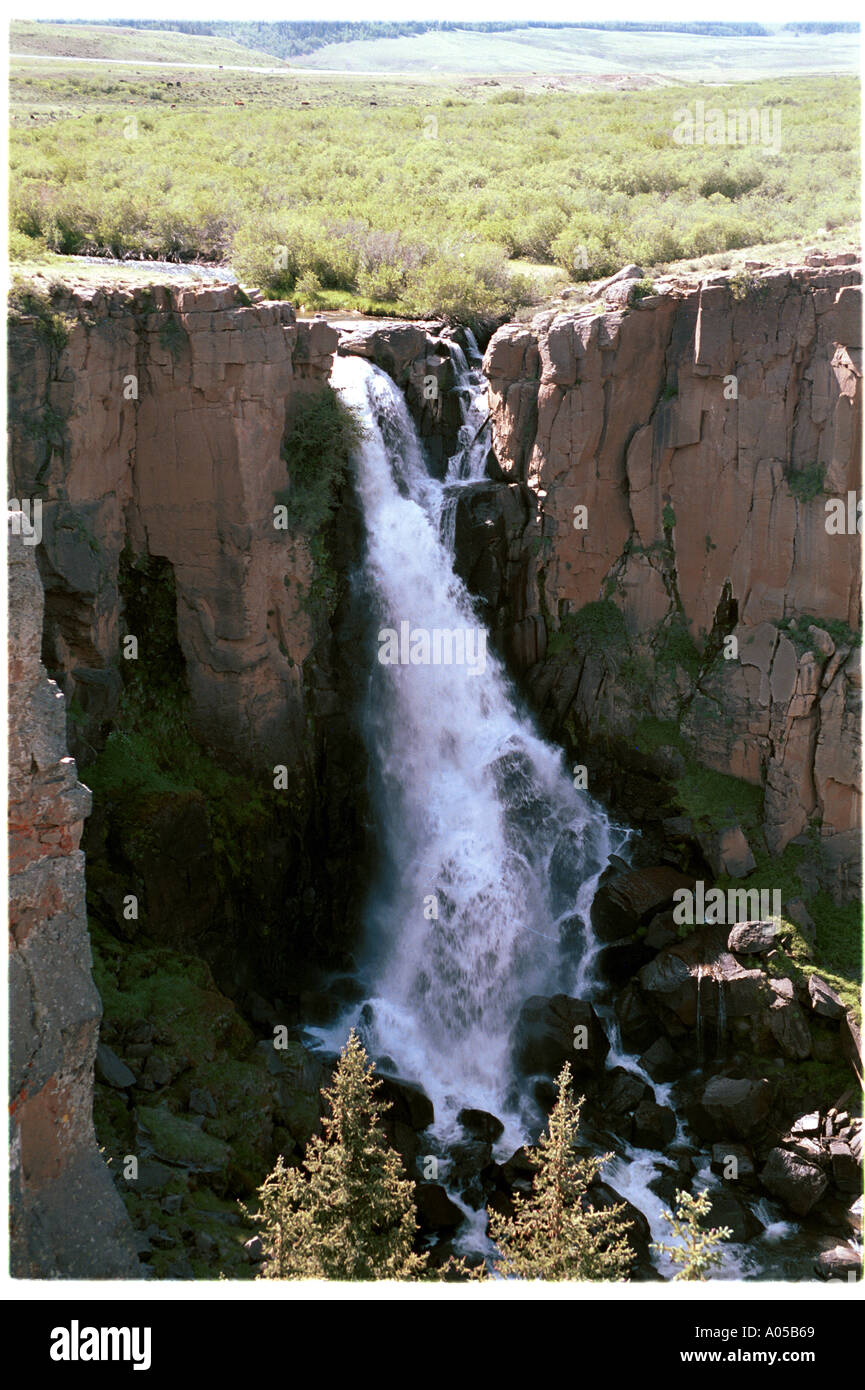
x,y
416,197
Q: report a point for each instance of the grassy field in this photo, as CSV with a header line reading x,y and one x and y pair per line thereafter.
x,y
438,194
128,45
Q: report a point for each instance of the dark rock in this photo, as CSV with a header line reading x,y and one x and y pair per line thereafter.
x,y
638,1026
518,1171
839,1263
798,1184
481,1124
662,931
729,1210
702,963
206,1245
661,1062
737,1106
654,1125
752,938
254,1248
617,963
741,1167
628,900
435,1210
410,1103
201,1102
545,1036
846,1172
111,1071
623,1092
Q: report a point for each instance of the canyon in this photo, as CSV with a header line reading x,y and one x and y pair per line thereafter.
x,y
702,427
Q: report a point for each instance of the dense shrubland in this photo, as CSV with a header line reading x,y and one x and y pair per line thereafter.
x,y
419,208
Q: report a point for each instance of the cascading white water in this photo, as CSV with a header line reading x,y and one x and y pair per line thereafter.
x,y
476,812
478,816
468,464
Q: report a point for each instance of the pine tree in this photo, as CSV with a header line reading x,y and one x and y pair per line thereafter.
x,y
554,1233
699,1251
349,1212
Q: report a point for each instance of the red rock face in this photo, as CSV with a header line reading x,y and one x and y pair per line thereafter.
x,y
687,425
165,412
54,1007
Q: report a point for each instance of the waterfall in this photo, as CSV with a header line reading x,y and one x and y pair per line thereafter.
x,y
468,464
486,848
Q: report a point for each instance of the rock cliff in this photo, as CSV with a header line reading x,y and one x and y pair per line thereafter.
x,y
149,421
66,1218
679,461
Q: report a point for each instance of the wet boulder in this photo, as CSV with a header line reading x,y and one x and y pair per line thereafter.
x,y
481,1125
661,1062
630,899
435,1210
700,973
623,1092
654,1125
410,1104
552,1031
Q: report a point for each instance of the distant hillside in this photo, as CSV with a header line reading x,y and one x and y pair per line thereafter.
x,y
132,44
678,50
295,38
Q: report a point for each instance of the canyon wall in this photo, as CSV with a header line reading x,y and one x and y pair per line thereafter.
x,y
66,1217
149,421
703,428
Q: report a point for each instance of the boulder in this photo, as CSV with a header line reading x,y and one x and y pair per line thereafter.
x,y
661,1062
201,1102
732,1161
111,1071
752,938
846,1172
662,931
789,1025
824,1001
481,1124
410,1104
654,1125
799,1185
545,1036
727,852
729,1210
702,963
737,1106
623,1092
619,961
840,1262
631,899
638,1026
435,1210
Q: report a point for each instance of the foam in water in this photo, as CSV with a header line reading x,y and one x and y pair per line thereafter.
x,y
475,811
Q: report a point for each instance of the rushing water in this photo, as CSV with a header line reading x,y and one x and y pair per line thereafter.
x,y
489,858
486,847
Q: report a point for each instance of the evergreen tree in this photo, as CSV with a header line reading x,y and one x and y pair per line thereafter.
x,y
699,1251
349,1212
554,1233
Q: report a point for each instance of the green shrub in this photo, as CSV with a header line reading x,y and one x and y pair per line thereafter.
x,y
807,483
